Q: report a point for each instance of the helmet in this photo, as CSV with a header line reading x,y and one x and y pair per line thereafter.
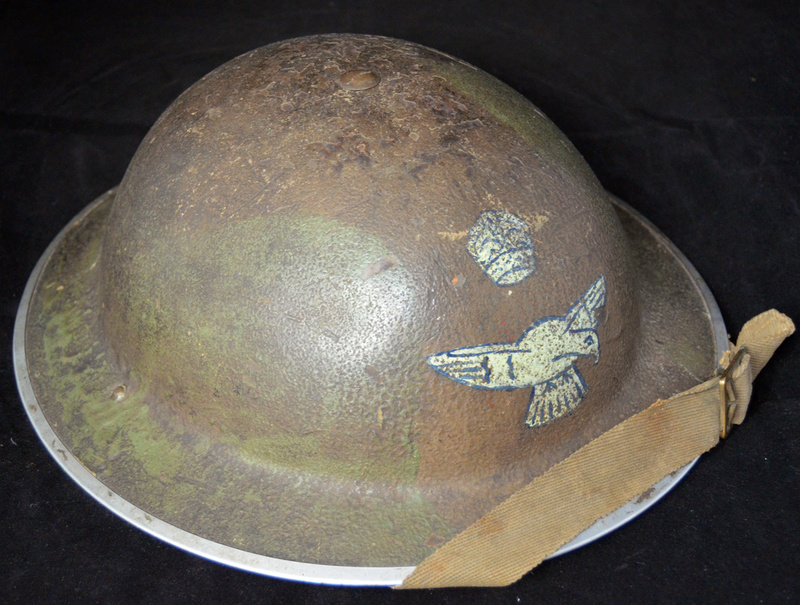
x,y
350,294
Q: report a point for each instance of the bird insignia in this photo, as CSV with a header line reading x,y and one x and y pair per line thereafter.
x,y
543,358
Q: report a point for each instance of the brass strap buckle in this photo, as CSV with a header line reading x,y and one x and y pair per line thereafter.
x,y
726,395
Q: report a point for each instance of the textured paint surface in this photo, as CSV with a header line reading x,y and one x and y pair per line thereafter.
x,y
273,274
543,357
501,244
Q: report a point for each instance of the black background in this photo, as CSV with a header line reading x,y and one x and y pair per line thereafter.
x,y
688,110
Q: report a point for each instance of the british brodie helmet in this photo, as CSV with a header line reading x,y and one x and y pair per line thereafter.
x,y
350,294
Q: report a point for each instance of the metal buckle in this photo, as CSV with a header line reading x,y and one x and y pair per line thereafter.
x,y
727,396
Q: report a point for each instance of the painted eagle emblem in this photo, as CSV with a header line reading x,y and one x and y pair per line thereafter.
x,y
543,358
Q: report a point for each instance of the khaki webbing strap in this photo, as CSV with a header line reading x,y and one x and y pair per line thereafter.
x,y
608,472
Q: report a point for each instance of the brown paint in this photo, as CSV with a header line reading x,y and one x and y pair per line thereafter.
x,y
272,275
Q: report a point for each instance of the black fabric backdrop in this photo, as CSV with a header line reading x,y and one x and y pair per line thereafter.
x,y
687,110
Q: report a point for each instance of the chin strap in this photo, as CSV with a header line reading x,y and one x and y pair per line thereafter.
x,y
608,472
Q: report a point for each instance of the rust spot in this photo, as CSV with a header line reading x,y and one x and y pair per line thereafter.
x,y
458,281
359,79
434,541
378,266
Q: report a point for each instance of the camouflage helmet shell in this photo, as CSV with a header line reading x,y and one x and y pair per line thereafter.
x,y
350,294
